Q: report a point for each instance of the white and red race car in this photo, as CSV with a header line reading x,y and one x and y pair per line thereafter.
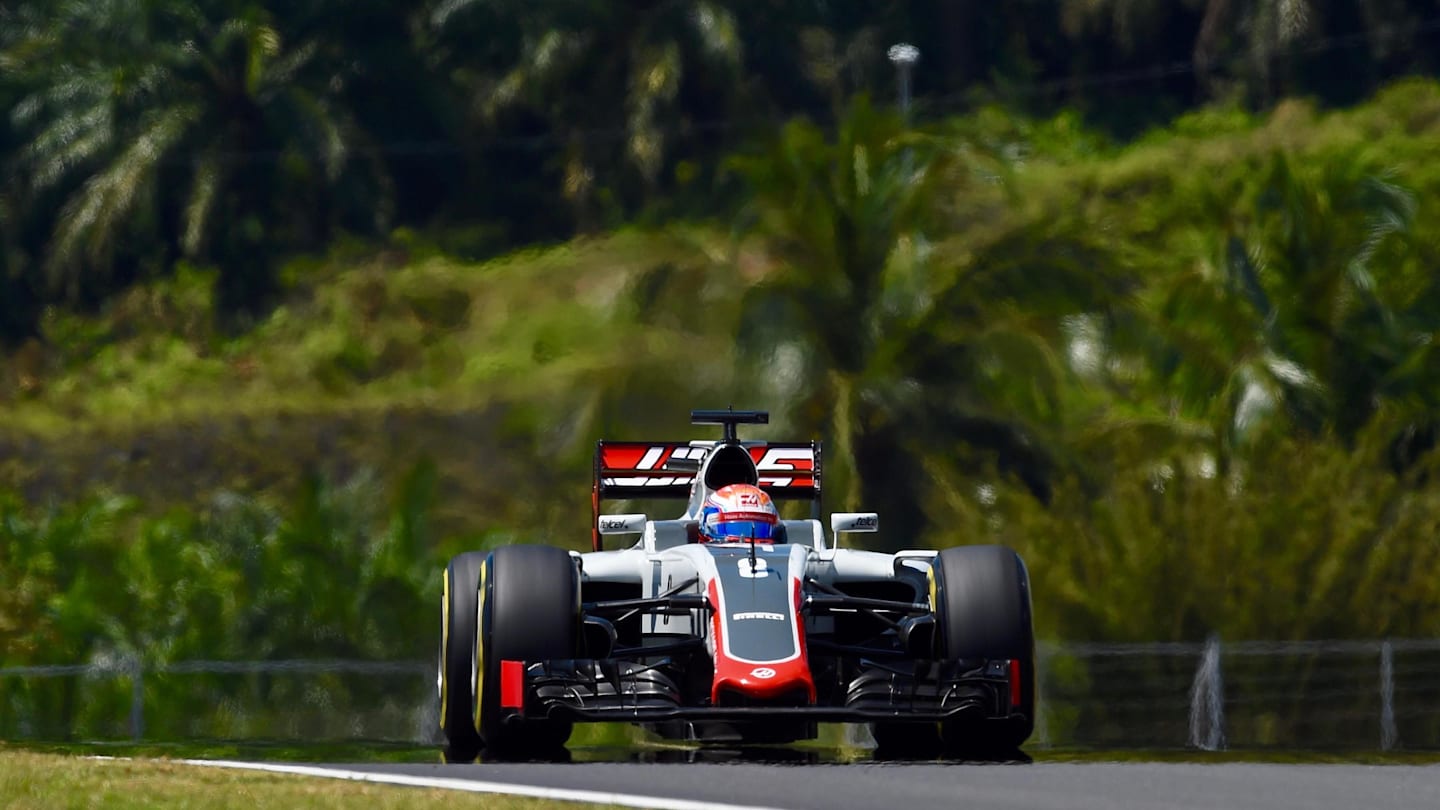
x,y
734,641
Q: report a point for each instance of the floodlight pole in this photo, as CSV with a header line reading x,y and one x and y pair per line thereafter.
x,y
904,56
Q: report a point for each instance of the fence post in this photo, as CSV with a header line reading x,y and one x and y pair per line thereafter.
x,y
1388,734
137,697
1207,700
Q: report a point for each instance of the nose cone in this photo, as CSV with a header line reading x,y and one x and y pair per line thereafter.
x,y
760,654
786,683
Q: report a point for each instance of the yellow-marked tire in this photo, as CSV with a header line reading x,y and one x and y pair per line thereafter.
x,y
981,599
458,632
529,611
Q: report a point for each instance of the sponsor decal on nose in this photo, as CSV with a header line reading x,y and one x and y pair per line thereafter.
x,y
763,673
757,614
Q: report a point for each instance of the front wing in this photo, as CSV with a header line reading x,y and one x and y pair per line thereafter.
x,y
614,690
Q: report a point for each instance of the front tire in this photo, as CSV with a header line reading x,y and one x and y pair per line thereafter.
x,y
981,599
459,631
529,611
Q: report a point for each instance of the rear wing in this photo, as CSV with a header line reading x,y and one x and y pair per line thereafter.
x,y
788,471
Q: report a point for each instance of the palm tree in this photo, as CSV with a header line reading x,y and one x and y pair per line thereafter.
x,y
613,85
1267,30
1307,320
893,344
1253,36
195,126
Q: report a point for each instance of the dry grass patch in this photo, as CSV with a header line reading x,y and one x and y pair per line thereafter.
x,y
45,781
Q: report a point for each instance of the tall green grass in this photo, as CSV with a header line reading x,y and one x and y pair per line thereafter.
x,y
344,570
1306,540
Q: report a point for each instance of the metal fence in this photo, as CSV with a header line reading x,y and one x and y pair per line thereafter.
x,y
303,700
1352,695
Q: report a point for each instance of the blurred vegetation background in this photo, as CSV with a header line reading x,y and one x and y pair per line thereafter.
x,y
298,299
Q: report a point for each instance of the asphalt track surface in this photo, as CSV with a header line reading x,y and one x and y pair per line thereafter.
x,y
1039,785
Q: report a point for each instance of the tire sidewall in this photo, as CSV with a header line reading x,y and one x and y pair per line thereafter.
x,y
529,611
459,634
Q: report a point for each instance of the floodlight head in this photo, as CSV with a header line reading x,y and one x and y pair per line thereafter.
x,y
904,54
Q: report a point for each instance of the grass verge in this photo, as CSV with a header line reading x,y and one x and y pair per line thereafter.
x,y
31,779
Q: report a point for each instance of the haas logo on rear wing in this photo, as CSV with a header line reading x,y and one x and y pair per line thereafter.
x,y
786,470
666,469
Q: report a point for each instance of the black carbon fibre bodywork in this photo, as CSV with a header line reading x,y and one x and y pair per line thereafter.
x,y
759,622
625,691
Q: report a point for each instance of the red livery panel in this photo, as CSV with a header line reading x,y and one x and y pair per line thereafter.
x,y
759,678
787,466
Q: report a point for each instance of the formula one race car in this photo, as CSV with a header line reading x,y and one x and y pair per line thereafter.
x,y
748,636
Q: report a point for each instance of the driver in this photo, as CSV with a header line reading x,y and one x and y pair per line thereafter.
x,y
739,513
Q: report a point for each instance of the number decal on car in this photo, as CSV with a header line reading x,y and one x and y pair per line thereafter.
x,y
753,569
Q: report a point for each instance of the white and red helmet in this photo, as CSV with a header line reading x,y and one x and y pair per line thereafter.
x,y
739,512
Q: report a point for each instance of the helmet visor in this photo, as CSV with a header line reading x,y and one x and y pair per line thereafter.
x,y
742,529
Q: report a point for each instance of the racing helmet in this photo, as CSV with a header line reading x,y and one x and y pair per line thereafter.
x,y
739,512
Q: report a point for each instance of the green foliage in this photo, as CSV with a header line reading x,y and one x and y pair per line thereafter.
x,y
336,573
59,603
236,133
142,118
896,318
1299,313
623,70
1191,376
1308,540
984,308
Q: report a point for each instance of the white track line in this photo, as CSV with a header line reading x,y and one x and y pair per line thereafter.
x,y
444,783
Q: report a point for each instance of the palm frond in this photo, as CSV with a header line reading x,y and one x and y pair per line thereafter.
x,y
718,31
92,218
283,71
444,11
67,143
653,83
329,129
209,178
545,59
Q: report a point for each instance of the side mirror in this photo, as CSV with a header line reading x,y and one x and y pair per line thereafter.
x,y
622,524
854,522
